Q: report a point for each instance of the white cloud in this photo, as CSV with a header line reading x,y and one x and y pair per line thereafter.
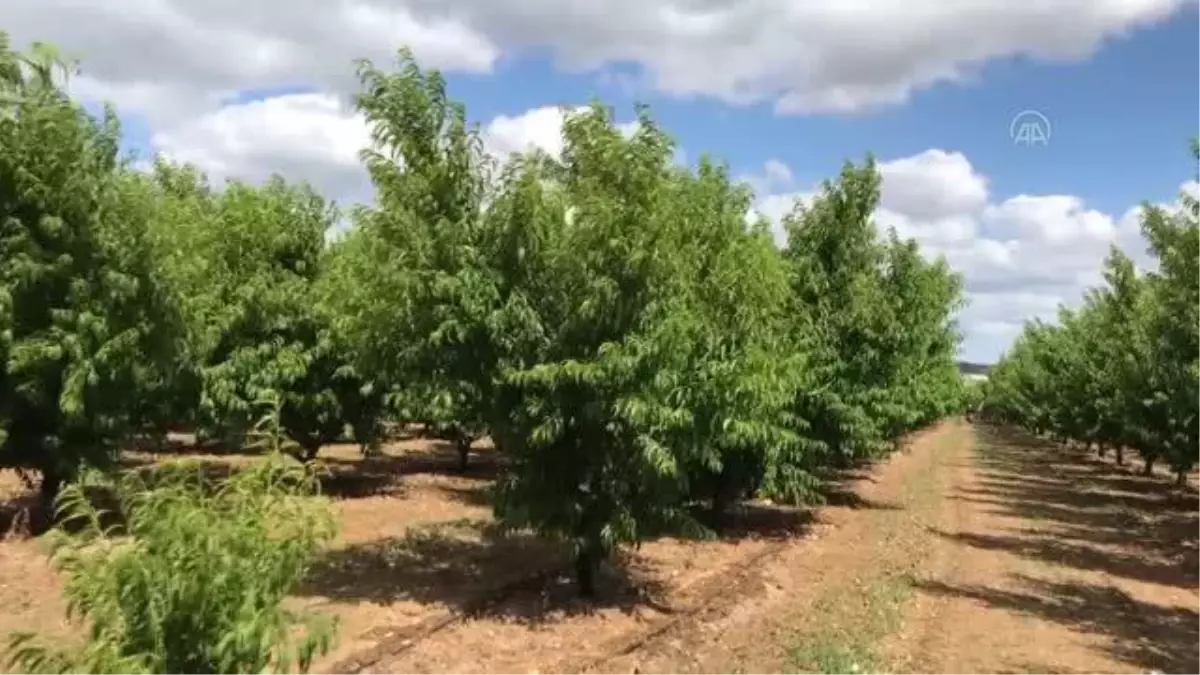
x,y
318,137
774,207
176,63
1020,256
777,173
933,184
803,55
313,137
168,59
539,128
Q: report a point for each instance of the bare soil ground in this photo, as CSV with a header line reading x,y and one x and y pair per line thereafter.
x,y
969,551
1052,561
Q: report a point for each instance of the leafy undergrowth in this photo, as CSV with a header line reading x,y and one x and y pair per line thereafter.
x,y
191,578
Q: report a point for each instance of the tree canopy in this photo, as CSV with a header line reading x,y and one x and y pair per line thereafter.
x,y
1120,372
634,344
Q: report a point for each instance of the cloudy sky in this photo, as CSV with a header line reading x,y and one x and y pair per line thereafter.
x,y
784,90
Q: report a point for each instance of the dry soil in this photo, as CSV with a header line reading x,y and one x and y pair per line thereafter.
x,y
973,549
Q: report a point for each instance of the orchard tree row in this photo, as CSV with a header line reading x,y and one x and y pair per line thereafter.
x,y
628,339
1121,372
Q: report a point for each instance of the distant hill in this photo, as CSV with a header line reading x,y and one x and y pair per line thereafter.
x,y
968,368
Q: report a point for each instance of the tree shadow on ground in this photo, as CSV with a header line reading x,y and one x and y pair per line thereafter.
x,y
24,516
750,520
212,473
475,569
1086,514
436,457
747,519
841,496
1049,548
339,477
1083,499
742,520
1150,636
479,494
336,481
340,483
761,520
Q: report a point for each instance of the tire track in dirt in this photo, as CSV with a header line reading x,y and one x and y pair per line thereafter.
x,y
1046,561
729,588
754,627
730,596
392,642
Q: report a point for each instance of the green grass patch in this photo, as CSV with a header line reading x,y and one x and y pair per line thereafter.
x,y
851,630
846,628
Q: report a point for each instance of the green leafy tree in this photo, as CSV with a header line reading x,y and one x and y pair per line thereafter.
x,y
245,263
428,292
740,378
919,340
590,313
343,297
89,333
1174,327
1121,371
876,318
594,460
1124,353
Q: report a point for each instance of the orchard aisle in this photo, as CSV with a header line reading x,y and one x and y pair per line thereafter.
x,y
1049,560
830,601
747,613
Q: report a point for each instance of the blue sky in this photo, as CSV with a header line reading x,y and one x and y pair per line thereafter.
x,y
1134,104
784,91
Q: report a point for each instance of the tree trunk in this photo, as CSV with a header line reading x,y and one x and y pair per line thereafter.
x,y
367,435
160,438
48,492
587,562
370,447
52,484
1120,455
841,458
720,502
1181,477
464,452
1100,450
309,447
427,430
1148,470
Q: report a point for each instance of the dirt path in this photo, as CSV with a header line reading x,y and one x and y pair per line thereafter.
x,y
746,613
983,552
971,550
828,604
1047,560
